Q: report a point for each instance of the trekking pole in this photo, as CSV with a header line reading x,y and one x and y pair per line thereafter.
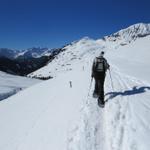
x,y
111,81
90,86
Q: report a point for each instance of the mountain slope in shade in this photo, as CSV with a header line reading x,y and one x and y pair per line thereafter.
x,y
27,63
8,53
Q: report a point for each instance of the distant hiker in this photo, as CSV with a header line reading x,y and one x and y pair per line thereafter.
x,y
99,69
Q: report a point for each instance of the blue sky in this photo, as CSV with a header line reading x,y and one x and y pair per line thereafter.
x,y
54,23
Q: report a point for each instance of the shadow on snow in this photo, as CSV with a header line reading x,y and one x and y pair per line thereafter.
x,y
133,91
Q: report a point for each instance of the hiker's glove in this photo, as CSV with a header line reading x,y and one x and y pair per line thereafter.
x,y
92,75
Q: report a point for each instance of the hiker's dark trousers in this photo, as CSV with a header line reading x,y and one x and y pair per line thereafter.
x,y
99,85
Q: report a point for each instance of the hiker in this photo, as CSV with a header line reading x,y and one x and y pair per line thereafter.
x,y
99,69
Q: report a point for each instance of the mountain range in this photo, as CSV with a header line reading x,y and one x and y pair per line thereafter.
x,y
23,62
26,61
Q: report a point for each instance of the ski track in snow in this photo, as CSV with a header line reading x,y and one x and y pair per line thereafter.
x,y
113,127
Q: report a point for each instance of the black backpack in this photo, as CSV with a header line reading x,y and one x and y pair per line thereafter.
x,y
100,65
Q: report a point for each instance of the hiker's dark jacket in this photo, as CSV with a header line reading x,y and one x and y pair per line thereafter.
x,y
96,74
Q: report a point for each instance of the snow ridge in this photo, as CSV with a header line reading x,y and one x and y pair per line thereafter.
x,y
125,36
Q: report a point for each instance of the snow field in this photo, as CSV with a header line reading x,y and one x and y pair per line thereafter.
x,y
12,84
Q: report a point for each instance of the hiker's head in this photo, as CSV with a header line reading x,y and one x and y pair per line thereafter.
x,y
102,53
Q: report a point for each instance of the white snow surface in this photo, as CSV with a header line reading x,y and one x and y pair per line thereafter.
x,y
127,35
52,115
11,84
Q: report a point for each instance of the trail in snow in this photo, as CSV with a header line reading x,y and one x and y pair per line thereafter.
x,y
115,126
45,116
121,125
128,112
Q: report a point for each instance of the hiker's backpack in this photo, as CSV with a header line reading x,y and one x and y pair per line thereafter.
x,y
100,64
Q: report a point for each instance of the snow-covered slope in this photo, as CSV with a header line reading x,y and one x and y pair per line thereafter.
x,y
11,84
66,60
133,59
127,35
54,115
77,50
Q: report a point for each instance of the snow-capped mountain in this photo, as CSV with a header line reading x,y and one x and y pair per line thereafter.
x,y
34,52
54,115
35,55
122,37
25,62
127,35
72,53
